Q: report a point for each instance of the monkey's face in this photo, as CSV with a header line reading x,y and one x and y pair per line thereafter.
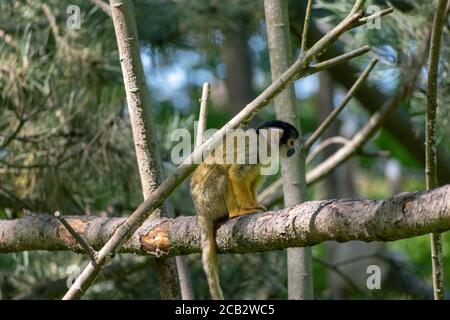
x,y
287,135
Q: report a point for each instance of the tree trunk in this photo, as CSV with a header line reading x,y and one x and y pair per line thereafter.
x,y
326,104
300,282
437,257
238,65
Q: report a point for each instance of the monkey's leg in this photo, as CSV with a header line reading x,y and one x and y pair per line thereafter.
x,y
255,187
230,201
241,179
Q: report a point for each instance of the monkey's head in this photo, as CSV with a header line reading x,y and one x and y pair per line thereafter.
x,y
286,133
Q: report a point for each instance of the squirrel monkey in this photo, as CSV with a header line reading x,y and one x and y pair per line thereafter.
x,y
221,188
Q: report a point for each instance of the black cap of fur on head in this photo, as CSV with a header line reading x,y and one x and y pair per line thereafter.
x,y
289,130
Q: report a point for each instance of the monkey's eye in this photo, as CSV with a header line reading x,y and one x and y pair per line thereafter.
x,y
290,143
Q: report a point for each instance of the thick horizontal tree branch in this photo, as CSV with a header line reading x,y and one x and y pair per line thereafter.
x,y
403,216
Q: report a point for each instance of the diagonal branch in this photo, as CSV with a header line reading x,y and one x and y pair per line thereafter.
x,y
116,271
374,16
325,144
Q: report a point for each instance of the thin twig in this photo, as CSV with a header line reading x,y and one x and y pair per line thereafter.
x,y
52,21
373,123
341,140
203,115
430,142
335,61
333,115
325,144
376,15
87,248
355,259
306,27
103,6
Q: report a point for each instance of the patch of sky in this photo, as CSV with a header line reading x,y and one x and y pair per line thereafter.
x,y
257,43
386,74
306,87
170,82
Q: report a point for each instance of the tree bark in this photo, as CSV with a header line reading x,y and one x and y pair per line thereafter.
x,y
402,216
300,278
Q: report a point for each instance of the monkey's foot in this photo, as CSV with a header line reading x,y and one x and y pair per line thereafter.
x,y
245,211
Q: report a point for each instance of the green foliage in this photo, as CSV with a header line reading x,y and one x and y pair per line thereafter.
x,y
418,251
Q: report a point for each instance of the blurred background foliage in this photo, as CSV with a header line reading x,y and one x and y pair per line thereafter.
x,y
66,144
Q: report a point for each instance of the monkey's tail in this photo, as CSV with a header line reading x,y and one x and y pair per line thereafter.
x,y
209,257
